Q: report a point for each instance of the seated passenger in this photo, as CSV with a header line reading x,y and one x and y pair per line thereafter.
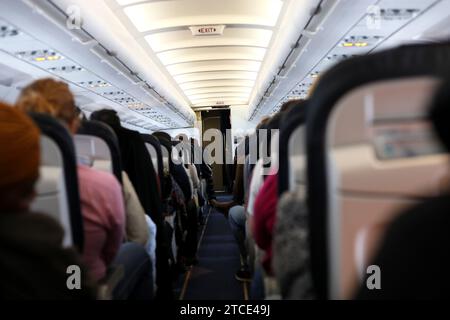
x,y
237,216
265,204
101,195
101,203
138,165
33,263
136,222
190,248
414,257
264,219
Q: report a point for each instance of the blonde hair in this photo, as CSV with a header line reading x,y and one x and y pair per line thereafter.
x,y
313,87
51,97
31,101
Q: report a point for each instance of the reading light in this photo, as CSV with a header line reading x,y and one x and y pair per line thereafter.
x,y
39,55
360,41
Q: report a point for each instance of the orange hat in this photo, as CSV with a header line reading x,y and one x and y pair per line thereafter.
x,y
19,147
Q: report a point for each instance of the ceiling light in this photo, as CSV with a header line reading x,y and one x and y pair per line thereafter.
x,y
154,15
211,53
217,83
226,75
133,105
360,41
180,39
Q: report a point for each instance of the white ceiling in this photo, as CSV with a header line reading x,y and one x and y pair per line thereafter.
x,y
140,57
217,65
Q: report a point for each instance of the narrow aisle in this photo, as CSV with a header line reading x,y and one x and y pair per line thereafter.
x,y
213,277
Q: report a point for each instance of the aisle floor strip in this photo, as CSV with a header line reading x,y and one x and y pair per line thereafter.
x,y
189,272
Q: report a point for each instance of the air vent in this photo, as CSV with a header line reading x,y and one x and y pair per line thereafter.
x,y
398,14
94,84
7,31
66,69
125,100
113,93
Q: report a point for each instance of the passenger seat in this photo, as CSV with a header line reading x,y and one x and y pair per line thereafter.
x,y
57,188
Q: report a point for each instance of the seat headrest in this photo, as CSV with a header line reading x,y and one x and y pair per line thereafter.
x,y
106,133
398,63
290,120
151,139
440,113
54,130
162,136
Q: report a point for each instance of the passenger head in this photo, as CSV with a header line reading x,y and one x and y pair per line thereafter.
x,y
262,122
51,97
36,103
162,136
19,160
313,87
287,106
108,116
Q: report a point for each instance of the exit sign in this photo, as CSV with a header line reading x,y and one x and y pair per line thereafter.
x,y
207,30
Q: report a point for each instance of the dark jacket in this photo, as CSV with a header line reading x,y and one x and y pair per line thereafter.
x,y
136,162
138,165
206,173
181,177
33,263
414,257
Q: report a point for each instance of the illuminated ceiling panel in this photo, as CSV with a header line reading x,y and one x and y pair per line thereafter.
x,y
213,50
217,89
217,83
231,37
212,53
214,65
212,102
202,76
156,15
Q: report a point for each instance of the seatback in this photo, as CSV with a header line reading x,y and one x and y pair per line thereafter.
x,y
370,153
292,161
166,154
154,148
57,188
97,144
